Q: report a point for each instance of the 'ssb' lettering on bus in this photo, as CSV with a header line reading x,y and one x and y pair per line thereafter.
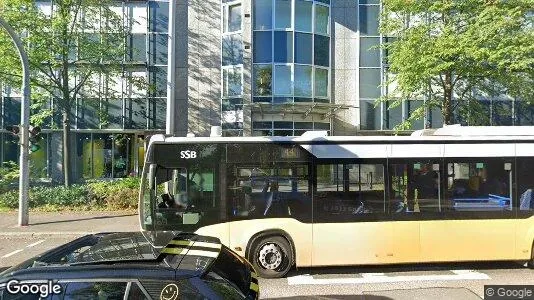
x,y
187,154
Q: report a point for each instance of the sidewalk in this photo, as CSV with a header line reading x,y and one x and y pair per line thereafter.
x,y
69,223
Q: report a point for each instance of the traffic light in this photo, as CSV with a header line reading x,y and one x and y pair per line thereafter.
x,y
14,129
35,138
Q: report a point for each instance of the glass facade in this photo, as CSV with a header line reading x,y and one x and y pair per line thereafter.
x,y
291,57
291,63
108,130
232,69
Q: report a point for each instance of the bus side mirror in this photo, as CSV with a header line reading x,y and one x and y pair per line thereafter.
x,y
152,176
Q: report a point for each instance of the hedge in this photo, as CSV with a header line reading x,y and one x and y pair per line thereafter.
x,y
99,195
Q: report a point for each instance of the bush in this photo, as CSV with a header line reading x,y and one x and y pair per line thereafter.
x,y
75,195
113,195
9,175
118,194
9,199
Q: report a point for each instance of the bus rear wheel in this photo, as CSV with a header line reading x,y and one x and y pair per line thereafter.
x,y
272,257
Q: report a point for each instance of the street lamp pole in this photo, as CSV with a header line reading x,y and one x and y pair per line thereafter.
x,y
24,179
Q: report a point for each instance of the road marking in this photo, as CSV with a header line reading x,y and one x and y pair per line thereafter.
x,y
382,278
35,244
12,253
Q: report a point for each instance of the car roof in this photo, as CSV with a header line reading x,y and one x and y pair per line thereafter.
x,y
122,255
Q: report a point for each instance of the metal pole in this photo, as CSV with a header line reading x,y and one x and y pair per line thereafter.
x,y
24,180
171,69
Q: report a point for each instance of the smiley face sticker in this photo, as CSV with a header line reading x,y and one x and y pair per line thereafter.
x,y
169,292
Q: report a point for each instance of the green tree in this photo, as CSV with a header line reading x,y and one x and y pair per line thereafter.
x,y
75,50
452,53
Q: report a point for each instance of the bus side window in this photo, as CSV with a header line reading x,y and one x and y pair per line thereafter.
x,y
525,184
481,184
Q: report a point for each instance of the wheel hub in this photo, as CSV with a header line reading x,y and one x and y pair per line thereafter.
x,y
270,256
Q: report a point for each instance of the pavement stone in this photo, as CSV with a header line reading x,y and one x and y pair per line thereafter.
x,y
57,223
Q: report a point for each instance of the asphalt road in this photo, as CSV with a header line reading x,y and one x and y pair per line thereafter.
x,y
431,281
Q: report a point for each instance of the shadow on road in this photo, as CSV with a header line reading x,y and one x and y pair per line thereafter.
x,y
336,297
399,268
83,219
2,269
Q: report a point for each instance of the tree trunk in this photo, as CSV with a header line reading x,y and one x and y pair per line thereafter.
x,y
66,147
65,93
447,99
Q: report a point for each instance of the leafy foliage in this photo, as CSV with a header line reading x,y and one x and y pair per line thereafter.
x,y
75,50
455,52
104,195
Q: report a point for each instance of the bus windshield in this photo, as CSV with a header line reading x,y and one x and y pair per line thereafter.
x,y
181,198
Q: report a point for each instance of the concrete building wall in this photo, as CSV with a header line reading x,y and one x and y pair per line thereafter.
x,y
204,62
345,60
181,68
247,67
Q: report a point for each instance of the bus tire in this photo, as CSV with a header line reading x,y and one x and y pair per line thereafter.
x,y
271,256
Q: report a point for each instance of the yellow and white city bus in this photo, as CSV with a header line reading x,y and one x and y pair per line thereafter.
x,y
459,194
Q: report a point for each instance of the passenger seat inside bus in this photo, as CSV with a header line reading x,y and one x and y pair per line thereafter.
x,y
527,200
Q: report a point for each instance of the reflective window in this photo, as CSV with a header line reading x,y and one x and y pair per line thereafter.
x,y
502,113
303,125
262,80
262,47
88,112
369,52
416,187
232,50
136,44
303,15
159,16
393,115
303,46
282,83
321,19
282,14
525,188
263,13
349,191
157,109
479,185
370,83
158,49
269,182
412,106
303,81
370,115
232,83
95,290
321,50
234,18
112,113
298,47
136,113
11,112
283,46
321,82
524,113
158,81
135,293
369,17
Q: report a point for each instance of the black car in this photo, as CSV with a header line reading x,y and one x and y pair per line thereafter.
x,y
130,266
